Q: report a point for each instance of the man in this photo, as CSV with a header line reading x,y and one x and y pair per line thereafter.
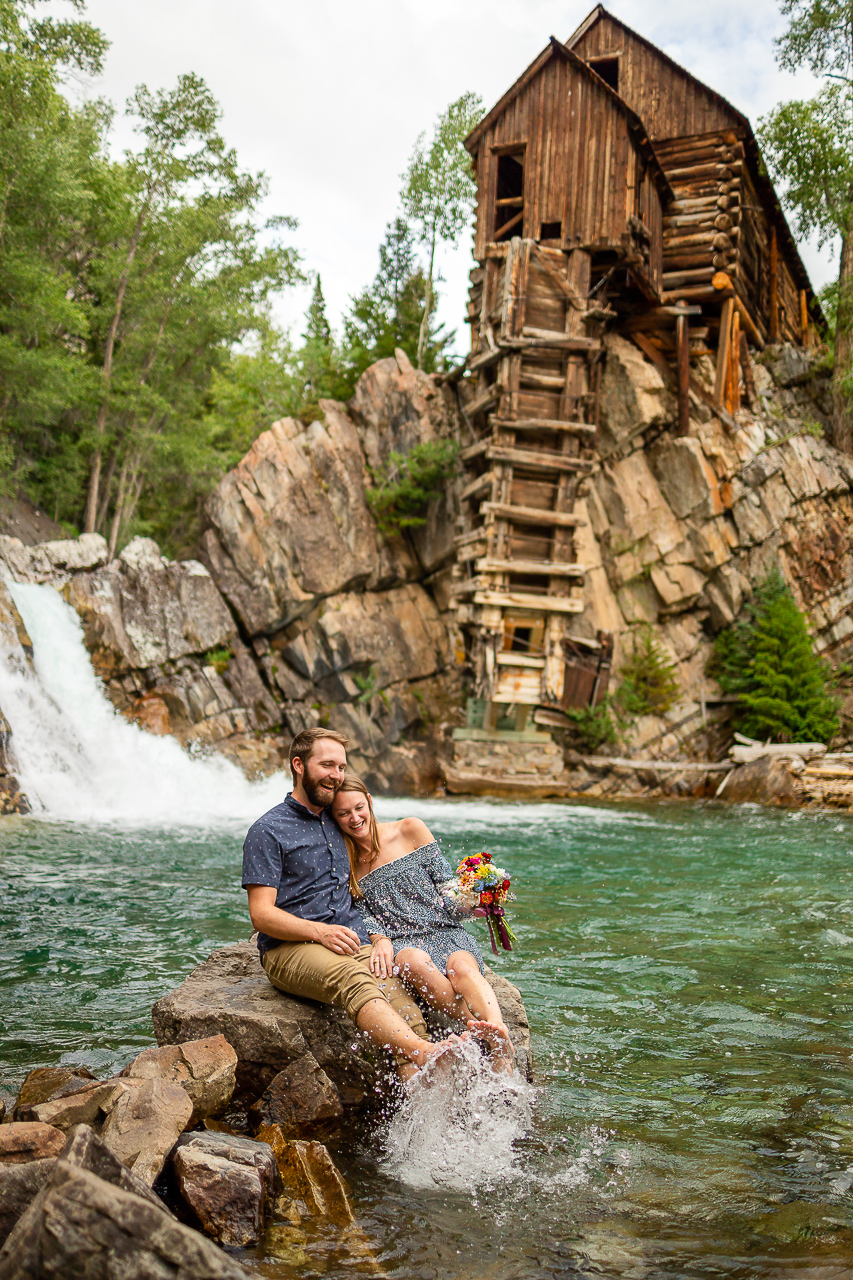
x,y
311,939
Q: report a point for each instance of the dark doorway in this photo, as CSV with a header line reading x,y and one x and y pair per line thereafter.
x,y
509,199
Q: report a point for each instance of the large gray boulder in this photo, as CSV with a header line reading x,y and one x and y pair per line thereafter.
x,y
231,994
290,524
142,610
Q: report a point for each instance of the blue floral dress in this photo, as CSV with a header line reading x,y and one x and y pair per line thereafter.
x,y
401,901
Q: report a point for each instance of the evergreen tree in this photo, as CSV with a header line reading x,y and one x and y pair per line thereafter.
x,y
320,362
768,661
649,683
389,313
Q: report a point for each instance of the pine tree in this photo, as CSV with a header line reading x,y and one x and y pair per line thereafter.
x,y
768,661
319,361
389,313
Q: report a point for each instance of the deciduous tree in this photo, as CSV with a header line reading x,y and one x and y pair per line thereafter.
x,y
808,145
439,190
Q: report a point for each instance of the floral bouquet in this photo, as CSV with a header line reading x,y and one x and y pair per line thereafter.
x,y
482,888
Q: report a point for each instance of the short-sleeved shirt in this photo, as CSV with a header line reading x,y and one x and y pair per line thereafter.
x,y
303,857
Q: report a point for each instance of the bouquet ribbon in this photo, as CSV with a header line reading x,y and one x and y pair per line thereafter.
x,y
494,918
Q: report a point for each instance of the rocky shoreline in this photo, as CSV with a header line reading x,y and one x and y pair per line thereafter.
x,y
222,1118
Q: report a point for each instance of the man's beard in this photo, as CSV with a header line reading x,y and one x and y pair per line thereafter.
x,y
320,791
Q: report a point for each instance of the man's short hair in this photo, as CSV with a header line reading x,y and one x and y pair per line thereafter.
x,y
303,744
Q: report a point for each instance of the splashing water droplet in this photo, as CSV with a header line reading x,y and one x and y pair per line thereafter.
x,y
458,1122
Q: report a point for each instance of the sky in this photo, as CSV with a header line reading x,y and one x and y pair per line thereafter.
x,y
328,98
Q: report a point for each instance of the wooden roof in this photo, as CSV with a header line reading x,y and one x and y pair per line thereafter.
x,y
765,187
555,49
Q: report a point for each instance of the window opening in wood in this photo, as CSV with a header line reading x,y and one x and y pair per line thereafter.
x,y
509,199
551,231
520,639
608,69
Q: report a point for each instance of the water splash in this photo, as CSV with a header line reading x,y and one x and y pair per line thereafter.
x,y
458,1123
77,759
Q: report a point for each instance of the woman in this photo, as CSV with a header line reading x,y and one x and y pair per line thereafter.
x,y
396,868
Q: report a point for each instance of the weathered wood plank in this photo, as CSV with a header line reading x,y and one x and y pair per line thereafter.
x,y
533,515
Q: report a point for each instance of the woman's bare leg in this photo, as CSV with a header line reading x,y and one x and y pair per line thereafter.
x,y
418,971
464,975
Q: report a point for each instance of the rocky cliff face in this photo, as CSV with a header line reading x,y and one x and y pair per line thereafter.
x,y
680,528
301,613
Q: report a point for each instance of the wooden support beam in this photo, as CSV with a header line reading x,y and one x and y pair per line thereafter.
x,y
748,323
804,317
555,338
521,600
544,424
682,359
489,397
479,485
534,458
734,364
537,568
560,281
532,515
746,368
723,349
508,226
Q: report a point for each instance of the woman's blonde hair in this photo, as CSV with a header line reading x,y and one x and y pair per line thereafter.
x,y
352,782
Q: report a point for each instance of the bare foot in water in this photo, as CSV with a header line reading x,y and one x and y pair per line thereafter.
x,y
496,1036
436,1065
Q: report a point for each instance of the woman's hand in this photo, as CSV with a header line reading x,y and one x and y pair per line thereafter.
x,y
382,957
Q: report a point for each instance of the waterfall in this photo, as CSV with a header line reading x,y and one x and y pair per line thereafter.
x,y
77,759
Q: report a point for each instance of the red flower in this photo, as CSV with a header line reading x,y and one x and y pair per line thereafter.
x,y
486,898
505,884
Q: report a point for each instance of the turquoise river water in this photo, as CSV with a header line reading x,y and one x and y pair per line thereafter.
x,y
687,971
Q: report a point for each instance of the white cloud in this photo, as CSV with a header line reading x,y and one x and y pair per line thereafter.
x,y
328,97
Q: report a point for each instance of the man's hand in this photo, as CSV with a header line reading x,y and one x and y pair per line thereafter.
x,y
338,938
381,957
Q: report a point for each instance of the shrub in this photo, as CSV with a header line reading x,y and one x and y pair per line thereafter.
x,y
592,727
218,659
406,484
769,663
649,683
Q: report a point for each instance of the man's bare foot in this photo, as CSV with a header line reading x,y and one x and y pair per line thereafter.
x,y
496,1036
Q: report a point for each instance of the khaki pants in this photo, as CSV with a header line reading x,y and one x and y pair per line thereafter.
x,y
311,970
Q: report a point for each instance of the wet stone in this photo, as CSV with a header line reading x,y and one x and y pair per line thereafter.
x,y
228,1182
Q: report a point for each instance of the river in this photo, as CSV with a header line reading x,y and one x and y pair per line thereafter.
x,y
687,974
686,968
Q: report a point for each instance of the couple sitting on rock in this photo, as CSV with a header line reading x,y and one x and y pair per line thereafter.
x,y
348,911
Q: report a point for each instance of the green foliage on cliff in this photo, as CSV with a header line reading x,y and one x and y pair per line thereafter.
x,y
769,663
406,484
649,683
592,727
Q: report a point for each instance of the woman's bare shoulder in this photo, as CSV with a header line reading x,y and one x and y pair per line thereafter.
x,y
416,830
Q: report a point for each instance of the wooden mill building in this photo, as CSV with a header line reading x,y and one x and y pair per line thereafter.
x,y
615,191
